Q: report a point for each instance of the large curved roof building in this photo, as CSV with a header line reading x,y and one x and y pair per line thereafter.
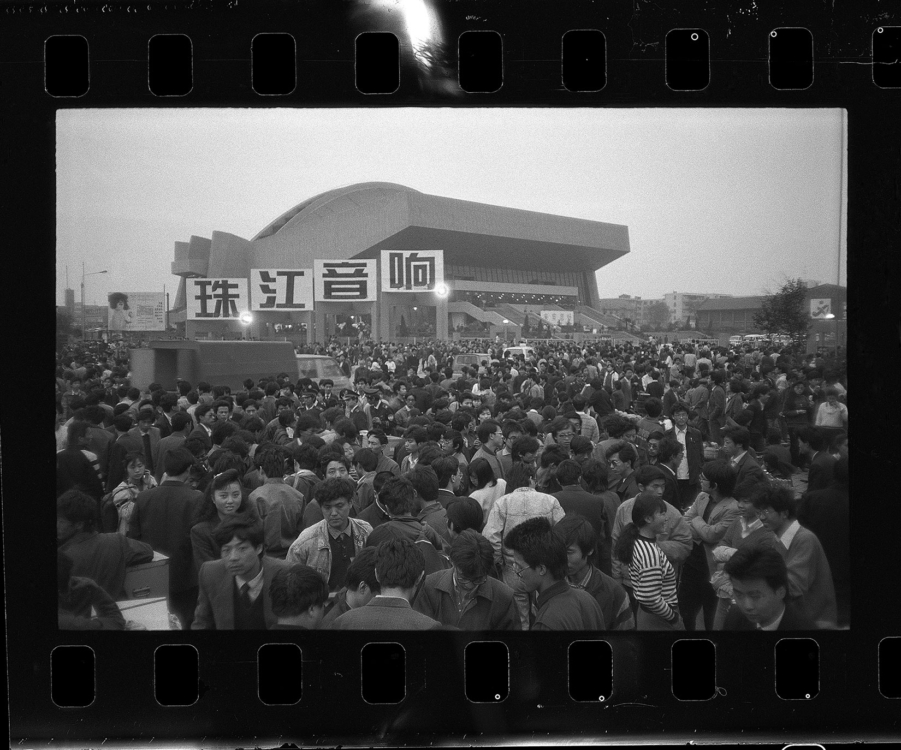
x,y
493,256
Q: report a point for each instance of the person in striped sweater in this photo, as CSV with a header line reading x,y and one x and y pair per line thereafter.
x,y
652,575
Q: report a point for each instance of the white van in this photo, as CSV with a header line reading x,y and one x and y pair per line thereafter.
x,y
318,366
512,352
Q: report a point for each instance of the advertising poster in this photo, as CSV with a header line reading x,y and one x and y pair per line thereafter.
x,y
136,311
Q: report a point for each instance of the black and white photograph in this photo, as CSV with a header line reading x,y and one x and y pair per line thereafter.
x,y
483,369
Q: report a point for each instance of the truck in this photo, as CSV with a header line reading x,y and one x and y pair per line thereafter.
x,y
216,362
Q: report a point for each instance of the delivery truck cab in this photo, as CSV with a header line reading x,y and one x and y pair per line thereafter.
x,y
225,363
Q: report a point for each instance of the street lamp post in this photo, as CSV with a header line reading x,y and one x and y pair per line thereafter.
x,y
506,323
831,316
83,274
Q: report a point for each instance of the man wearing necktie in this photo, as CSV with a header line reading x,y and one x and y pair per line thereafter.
x,y
148,435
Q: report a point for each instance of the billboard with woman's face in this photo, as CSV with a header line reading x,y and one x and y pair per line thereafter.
x,y
136,311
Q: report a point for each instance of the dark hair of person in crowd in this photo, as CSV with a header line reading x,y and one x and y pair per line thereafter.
x,y
178,461
646,474
773,436
296,588
653,407
645,506
77,430
520,474
624,450
536,543
78,507
465,513
594,476
399,564
776,496
425,482
616,425
445,468
720,473
378,481
472,555
739,435
272,461
399,497
756,562
668,448
245,528
362,570
428,452
366,459
223,460
329,490
180,420
568,472
306,456
482,474
813,436
575,529
486,429
580,447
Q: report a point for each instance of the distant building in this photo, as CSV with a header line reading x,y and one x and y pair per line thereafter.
x,y
730,316
684,304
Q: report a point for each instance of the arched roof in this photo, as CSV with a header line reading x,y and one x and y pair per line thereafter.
x,y
301,210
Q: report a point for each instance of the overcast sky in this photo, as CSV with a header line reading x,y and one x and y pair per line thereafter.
x,y
719,201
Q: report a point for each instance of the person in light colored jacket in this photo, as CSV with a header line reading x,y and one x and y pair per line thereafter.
x,y
314,545
507,513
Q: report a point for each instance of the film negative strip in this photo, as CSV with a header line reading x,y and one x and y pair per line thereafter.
x,y
286,100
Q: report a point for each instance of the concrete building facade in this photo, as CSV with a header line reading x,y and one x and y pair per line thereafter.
x,y
492,256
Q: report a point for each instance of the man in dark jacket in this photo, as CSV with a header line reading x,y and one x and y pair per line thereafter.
x,y
574,499
760,587
101,557
826,513
163,517
73,469
689,470
466,596
812,444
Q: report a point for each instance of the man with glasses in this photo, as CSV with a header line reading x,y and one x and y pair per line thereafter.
x,y
540,563
466,596
491,437
512,431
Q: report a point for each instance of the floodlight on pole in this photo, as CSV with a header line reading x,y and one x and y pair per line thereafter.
x,y
442,290
83,274
832,316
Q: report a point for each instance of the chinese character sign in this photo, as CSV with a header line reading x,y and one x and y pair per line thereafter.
x,y
412,271
274,290
216,299
344,280
820,308
557,317
136,311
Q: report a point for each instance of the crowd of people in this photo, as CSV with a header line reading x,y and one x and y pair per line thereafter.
x,y
579,487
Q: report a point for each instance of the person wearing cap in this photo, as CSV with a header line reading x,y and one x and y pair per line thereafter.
x,y
354,410
381,416
309,403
